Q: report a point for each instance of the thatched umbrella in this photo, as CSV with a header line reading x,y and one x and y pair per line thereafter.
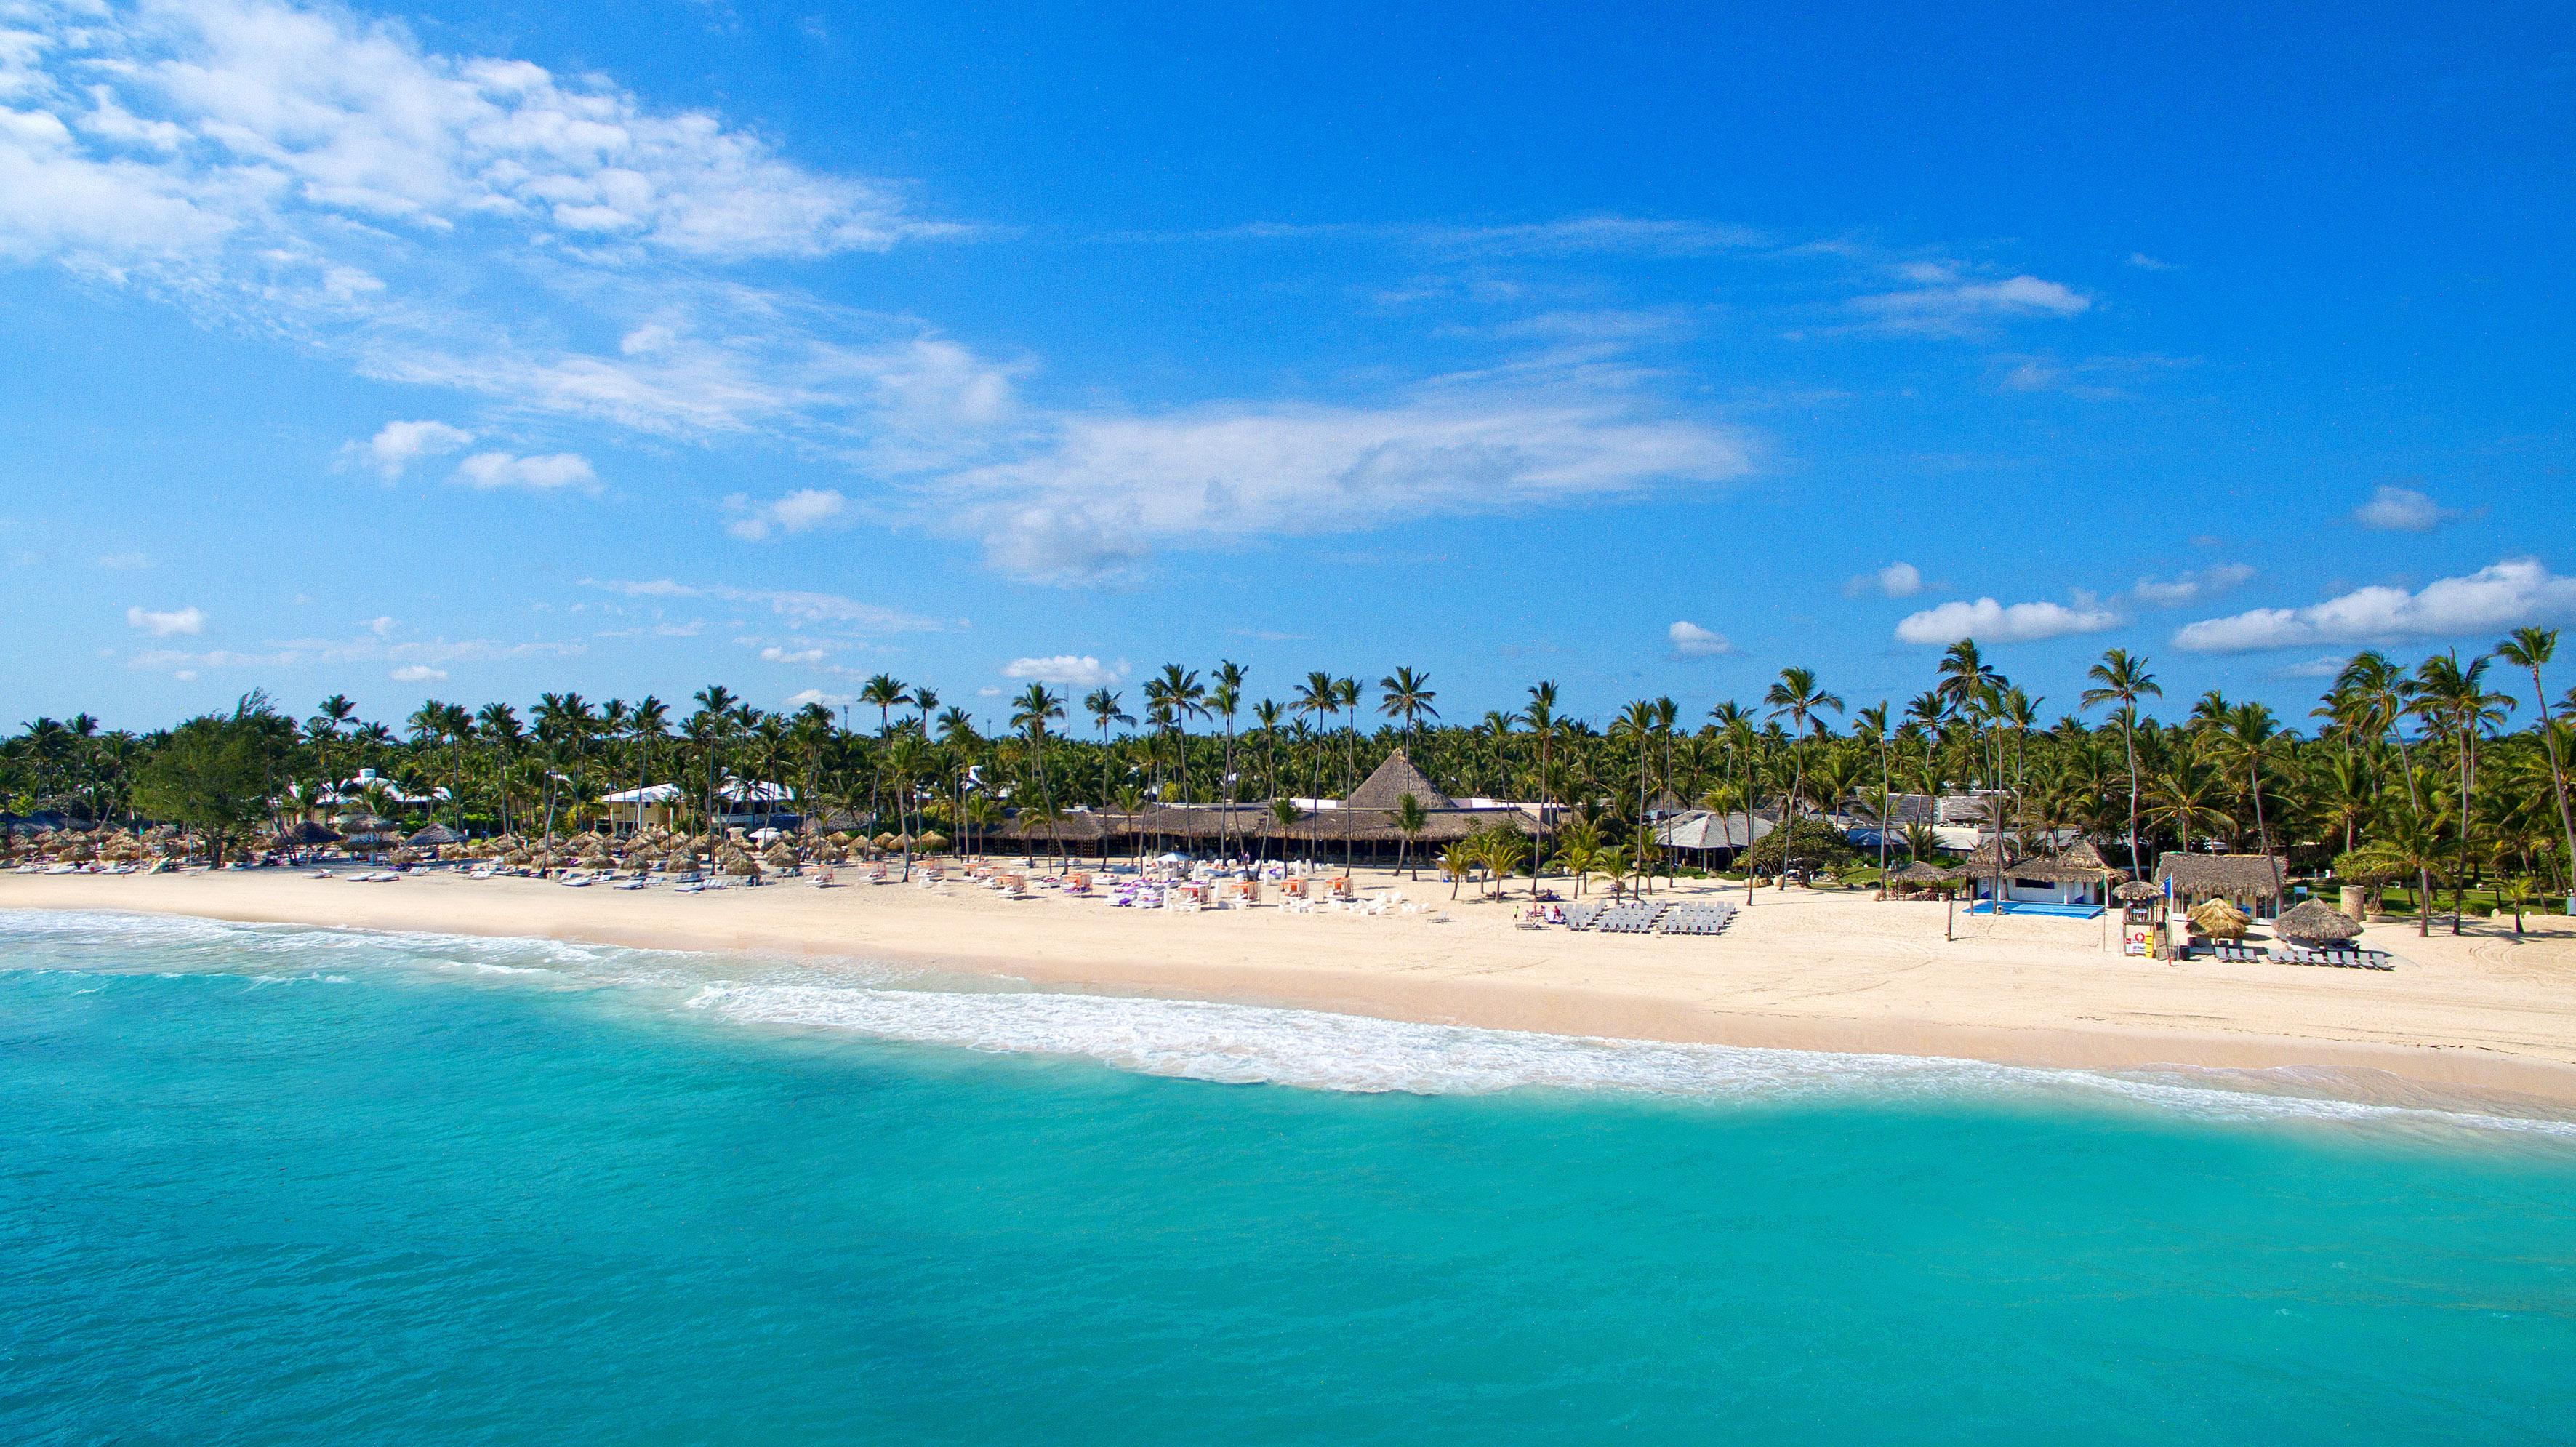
x,y
884,841
2219,920
931,841
2316,923
2137,891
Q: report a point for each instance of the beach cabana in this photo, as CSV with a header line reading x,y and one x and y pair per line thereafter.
x,y
2251,882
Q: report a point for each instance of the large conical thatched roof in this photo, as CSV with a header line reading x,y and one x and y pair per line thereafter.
x,y
432,836
2316,923
1394,779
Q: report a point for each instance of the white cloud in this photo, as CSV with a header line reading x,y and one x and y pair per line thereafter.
x,y
542,474
397,445
775,654
1988,621
2402,510
800,609
1066,670
1945,302
303,172
380,625
1896,580
329,652
2191,587
417,673
2507,595
161,624
799,511
1690,640
2144,262
156,135
804,696
1107,488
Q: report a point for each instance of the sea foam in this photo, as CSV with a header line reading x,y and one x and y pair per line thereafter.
x,y
1207,1040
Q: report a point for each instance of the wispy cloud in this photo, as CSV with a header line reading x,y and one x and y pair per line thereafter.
x,y
433,654
798,607
1943,301
1095,498
397,445
166,623
1989,621
1691,641
2393,509
537,474
1066,670
2506,595
1896,580
804,509
2192,587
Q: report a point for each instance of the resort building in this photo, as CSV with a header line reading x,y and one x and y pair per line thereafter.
x,y
1366,824
2074,875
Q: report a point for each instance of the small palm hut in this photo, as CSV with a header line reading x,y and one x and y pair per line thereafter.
x,y
2251,882
2316,923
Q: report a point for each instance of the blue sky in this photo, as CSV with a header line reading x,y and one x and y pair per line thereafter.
x,y
473,351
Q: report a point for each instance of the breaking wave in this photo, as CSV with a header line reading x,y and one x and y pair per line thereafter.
x,y
1210,1041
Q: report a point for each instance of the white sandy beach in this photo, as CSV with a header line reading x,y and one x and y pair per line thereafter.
x,y
1797,970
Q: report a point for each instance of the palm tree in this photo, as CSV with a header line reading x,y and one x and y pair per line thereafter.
x,y
1543,726
884,692
1406,696
1104,709
2186,797
1869,725
2454,696
329,717
1226,699
1797,698
648,723
2532,648
2122,678
1036,706
2245,737
499,725
1265,717
1409,821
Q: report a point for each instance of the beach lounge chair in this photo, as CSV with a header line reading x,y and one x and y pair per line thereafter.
x,y
1583,914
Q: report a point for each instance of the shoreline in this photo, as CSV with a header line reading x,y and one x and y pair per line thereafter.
x,y
1821,971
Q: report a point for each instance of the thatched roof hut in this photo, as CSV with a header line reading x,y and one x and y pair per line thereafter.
x,y
2219,920
2249,880
433,835
2316,923
303,834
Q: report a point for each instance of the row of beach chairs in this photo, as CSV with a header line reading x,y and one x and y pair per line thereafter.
x,y
2351,959
1663,917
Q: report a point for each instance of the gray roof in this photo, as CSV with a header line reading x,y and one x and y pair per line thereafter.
x,y
1703,829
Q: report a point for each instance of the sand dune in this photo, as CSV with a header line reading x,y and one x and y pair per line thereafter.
x,y
1798,969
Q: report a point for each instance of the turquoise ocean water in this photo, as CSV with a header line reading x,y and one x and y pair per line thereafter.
x,y
282,1185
